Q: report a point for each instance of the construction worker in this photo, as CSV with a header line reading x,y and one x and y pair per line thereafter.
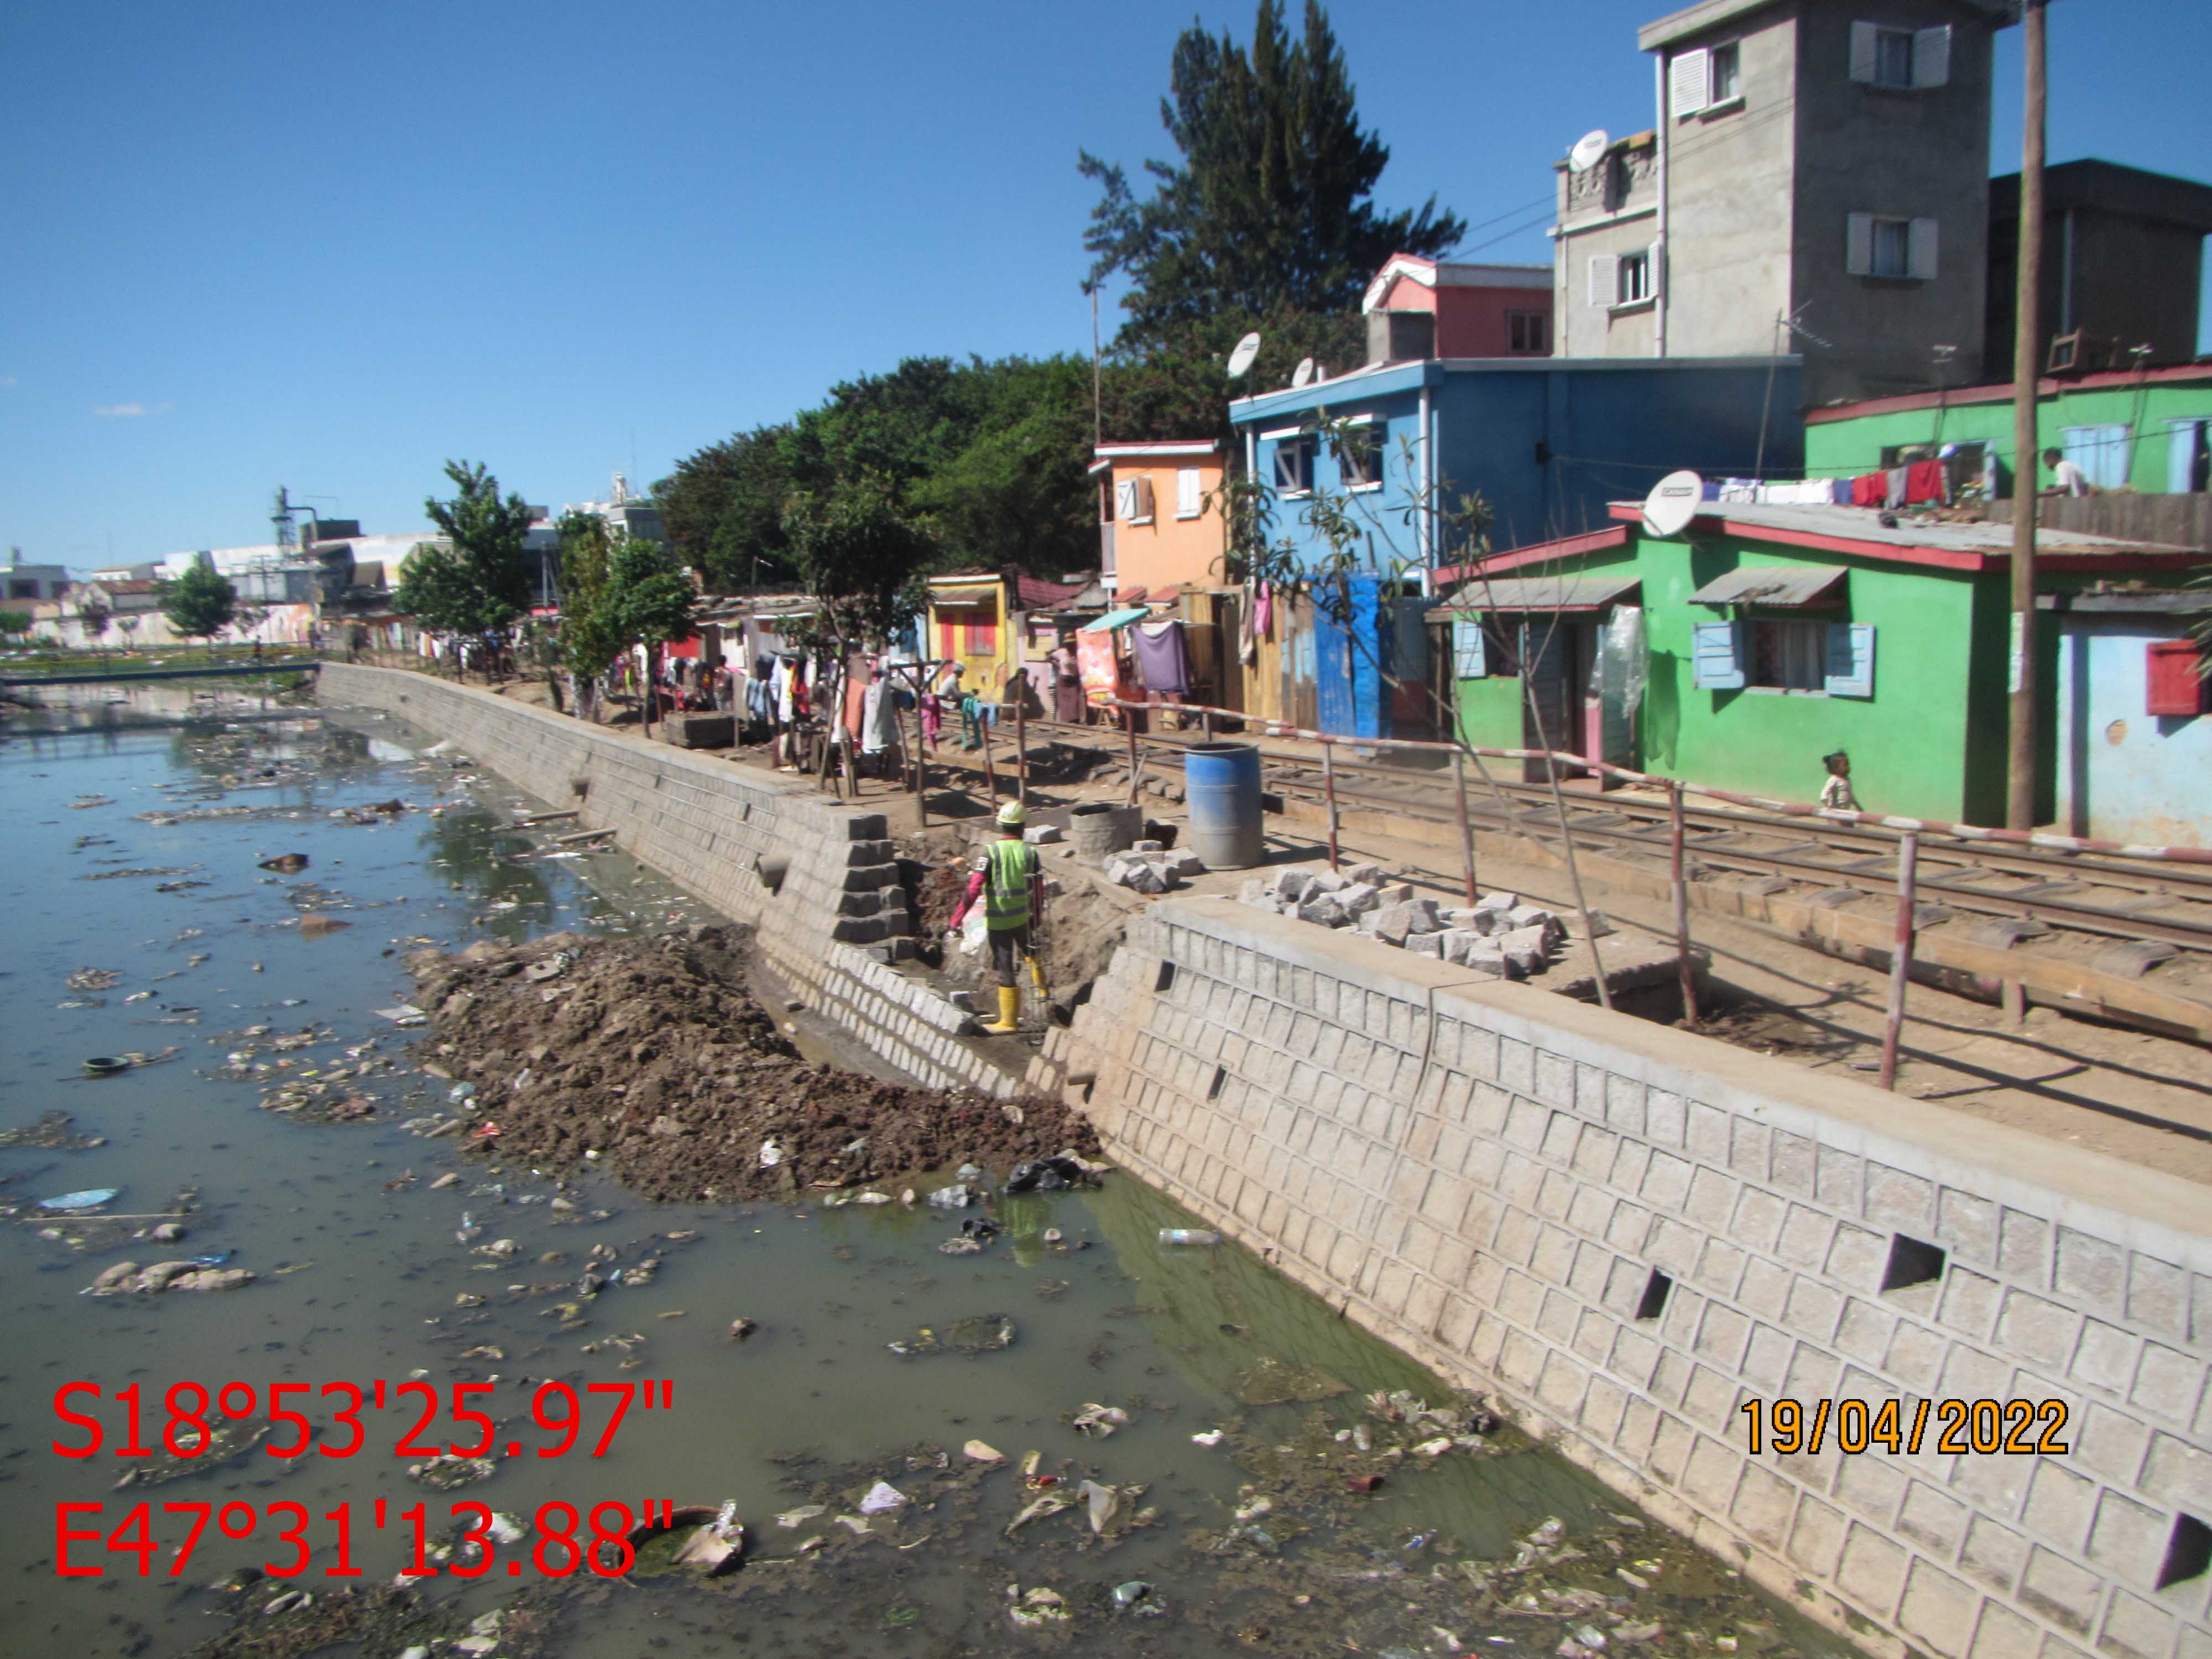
x,y
1009,879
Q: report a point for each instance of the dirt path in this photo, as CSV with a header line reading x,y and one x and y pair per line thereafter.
x,y
2141,1098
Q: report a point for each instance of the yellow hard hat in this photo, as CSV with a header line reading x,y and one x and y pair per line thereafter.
x,y
1012,817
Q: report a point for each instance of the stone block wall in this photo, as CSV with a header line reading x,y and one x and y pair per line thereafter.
x,y
706,823
1625,1232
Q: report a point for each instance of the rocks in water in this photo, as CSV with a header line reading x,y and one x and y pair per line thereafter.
x,y
286,864
128,1278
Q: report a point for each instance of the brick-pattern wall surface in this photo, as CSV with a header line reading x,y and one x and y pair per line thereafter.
x,y
1488,1176
703,823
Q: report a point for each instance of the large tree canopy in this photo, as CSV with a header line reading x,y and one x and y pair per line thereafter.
x,y
1267,212
201,603
476,583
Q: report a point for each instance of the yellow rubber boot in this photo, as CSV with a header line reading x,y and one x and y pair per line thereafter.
x,y
1009,1012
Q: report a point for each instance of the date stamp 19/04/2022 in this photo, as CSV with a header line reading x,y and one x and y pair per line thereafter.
x,y
189,1420
2014,1428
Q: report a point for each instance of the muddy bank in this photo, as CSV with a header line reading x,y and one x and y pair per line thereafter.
x,y
650,1057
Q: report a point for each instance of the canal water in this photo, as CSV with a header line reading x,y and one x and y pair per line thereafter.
x,y
1326,1518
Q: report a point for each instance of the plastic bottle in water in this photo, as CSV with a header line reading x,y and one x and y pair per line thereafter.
x,y
1187,1235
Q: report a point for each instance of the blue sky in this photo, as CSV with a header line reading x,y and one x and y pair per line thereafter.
x,y
330,246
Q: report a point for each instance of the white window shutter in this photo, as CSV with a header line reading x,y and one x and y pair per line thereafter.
x,y
1931,57
1604,278
1187,493
1920,250
1716,656
1467,654
1125,499
1859,245
1862,53
1652,271
1850,660
1689,82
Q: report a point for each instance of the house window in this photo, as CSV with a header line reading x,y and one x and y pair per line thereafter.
x,y
1727,74
1634,280
1893,58
1901,60
22,590
1789,656
1529,333
1359,458
1190,496
1899,250
1294,459
1132,499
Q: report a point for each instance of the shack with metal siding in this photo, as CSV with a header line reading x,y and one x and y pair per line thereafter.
x,y
2133,735
1771,636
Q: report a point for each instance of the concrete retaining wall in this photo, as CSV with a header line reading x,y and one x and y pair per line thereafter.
x,y
703,822
1496,1180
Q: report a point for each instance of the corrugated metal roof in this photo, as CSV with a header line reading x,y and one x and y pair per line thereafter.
x,y
1774,584
973,593
1584,591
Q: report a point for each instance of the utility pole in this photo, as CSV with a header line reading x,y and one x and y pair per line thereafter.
x,y
2027,471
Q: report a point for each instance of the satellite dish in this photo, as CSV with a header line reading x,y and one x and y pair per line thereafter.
x,y
1673,502
1305,373
1241,359
1589,149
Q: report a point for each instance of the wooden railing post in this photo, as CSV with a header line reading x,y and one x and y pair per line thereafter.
x,y
1683,965
1328,788
1465,832
1900,956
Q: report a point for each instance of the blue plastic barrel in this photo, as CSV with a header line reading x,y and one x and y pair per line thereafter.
x,y
1221,787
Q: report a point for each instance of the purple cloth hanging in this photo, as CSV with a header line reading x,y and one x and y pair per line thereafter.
x,y
1161,658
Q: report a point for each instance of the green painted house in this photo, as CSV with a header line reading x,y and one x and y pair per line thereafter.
x,y
1768,637
2149,431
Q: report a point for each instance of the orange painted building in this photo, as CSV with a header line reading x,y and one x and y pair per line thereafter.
x,y
1160,522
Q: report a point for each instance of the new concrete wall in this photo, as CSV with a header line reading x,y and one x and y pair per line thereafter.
x,y
1488,1176
703,822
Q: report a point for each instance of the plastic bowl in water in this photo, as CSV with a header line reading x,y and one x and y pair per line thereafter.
x,y
105,1066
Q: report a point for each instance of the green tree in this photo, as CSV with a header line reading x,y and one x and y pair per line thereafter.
x,y
587,648
14,624
862,554
648,600
93,616
476,583
201,603
1267,212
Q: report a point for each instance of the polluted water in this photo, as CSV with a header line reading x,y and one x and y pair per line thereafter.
x,y
833,1434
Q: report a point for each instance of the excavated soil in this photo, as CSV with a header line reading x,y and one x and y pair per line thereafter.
x,y
651,1055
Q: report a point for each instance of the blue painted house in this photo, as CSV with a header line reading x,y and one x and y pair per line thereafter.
x,y
1546,441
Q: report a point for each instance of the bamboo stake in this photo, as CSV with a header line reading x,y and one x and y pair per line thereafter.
x,y
1682,963
1328,788
1136,757
990,777
1465,832
1900,956
1021,744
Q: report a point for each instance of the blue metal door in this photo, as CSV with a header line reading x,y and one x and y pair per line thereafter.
x,y
1348,669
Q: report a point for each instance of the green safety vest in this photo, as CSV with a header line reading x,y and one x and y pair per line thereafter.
x,y
1008,866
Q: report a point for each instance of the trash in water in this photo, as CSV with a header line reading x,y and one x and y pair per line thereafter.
x,y
770,1154
1129,1595
1272,1383
406,1014
90,1198
1098,1421
963,1246
882,1498
948,1198
982,1452
1051,1504
1045,1175
978,1226
1210,1438
1038,1608
286,864
1104,1503
981,1333
969,1172
799,1517
107,1065
1188,1235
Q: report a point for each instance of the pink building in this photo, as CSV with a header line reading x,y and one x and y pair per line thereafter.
x,y
1479,311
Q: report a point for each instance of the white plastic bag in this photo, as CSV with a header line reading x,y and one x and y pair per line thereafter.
x,y
975,930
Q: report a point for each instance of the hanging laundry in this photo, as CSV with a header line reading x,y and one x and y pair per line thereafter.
x,y
1894,488
1162,660
1868,489
1924,481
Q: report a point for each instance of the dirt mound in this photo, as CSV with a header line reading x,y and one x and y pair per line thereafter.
x,y
652,1053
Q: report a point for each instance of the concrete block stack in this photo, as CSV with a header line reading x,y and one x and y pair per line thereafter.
x,y
1498,935
1149,867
